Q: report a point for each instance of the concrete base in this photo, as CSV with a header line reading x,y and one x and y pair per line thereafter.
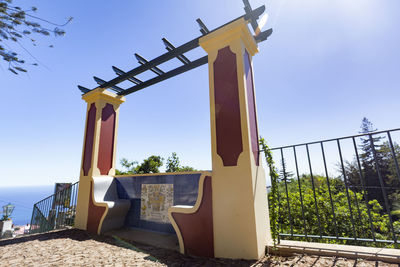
x,y
156,239
6,228
287,248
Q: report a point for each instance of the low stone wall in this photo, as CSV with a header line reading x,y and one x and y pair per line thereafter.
x,y
152,194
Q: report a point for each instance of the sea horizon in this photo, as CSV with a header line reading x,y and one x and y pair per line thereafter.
x,y
23,198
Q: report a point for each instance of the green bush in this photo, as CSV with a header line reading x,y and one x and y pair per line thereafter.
x,y
350,211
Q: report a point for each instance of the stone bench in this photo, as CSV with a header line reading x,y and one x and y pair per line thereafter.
x,y
105,195
194,224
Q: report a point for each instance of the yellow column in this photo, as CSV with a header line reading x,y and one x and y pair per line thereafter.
x,y
240,208
99,146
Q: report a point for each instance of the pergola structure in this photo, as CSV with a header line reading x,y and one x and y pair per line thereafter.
x,y
251,16
230,216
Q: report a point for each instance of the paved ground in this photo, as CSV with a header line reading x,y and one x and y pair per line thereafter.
x,y
78,248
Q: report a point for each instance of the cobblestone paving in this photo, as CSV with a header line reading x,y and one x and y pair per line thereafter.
x,y
78,248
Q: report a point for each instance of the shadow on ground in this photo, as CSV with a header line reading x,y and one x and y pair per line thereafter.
x,y
174,258
164,256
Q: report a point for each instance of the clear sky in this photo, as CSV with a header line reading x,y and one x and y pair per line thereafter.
x,y
327,65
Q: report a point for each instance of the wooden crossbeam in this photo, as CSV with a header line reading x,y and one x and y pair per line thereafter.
x,y
121,72
101,82
170,47
203,28
251,17
167,75
262,36
248,10
84,90
143,61
157,61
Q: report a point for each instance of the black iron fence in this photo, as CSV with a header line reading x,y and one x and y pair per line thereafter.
x,y
56,211
343,190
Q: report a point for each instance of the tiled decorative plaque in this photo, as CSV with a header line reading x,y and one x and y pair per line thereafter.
x,y
155,201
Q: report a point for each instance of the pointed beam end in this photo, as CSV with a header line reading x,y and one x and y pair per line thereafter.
x,y
263,35
98,80
168,44
140,59
83,89
203,28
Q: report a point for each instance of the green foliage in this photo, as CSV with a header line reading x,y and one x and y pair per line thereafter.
x,y
129,167
303,201
272,196
173,164
316,206
370,157
374,156
18,24
149,165
152,165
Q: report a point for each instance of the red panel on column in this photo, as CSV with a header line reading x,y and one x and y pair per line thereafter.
x,y
106,146
197,228
251,106
88,150
227,109
95,214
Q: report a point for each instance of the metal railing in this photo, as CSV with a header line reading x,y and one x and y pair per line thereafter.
x,y
56,211
344,190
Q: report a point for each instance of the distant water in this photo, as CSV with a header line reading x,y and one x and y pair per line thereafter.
x,y
23,198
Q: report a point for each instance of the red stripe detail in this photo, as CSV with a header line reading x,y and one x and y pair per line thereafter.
x,y
227,108
197,228
106,146
88,150
95,213
251,104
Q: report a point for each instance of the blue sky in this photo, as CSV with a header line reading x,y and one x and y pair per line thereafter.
x,y
327,65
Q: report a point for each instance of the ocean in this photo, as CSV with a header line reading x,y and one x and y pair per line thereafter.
x,y
23,198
